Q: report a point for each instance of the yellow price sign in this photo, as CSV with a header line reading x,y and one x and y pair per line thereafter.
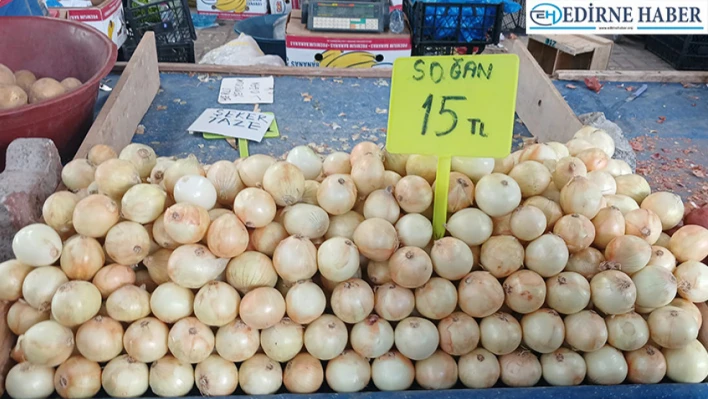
x,y
452,106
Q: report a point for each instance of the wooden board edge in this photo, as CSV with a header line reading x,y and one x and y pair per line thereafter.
x,y
275,71
635,76
7,342
128,102
539,104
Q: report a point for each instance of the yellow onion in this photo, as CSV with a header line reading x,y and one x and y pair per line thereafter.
x,y
567,292
502,225
527,223
14,273
170,377
160,236
252,169
47,343
538,152
576,230
186,223
452,258
633,186
504,165
552,193
563,367
500,333
393,302
604,181
216,304
141,156
395,162
376,239
585,262
391,178
609,223
127,243
21,316
78,377
111,277
266,239
613,292
193,265
436,299
414,230
125,377
660,256
225,178
190,341
365,148
560,149
656,287
306,160
479,369
672,328
337,194
157,175
180,168
692,277
480,294
26,380
543,330
667,206
627,332
525,291
439,371
75,302
58,211
547,255
368,173
216,376
414,194
143,203
606,366
100,153
337,163
424,166
227,237
382,204
94,215
502,255
260,375
566,169
460,193
128,303
593,158
688,364
410,267
78,174
622,202
690,242
262,307
146,340
40,285
646,365
551,210
576,146
600,139
115,177
643,223
284,182
581,196
585,331
474,168
532,177
631,253
251,270
497,194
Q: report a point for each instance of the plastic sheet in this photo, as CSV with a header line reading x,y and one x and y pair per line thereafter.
x,y
241,51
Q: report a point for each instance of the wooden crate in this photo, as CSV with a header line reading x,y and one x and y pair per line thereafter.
x,y
554,52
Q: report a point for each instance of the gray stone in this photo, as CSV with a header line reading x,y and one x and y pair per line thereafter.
x,y
623,150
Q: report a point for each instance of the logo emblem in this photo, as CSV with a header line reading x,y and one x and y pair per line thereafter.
x,y
546,14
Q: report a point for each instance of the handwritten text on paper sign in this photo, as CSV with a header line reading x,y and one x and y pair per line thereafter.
x,y
233,123
246,91
455,105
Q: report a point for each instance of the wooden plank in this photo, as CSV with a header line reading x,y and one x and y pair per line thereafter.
x,y
263,70
7,342
635,76
601,57
539,104
128,102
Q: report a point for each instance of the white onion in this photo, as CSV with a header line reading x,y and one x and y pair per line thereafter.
x,y
452,258
237,341
372,337
285,183
171,302
21,316
474,168
604,181
115,176
497,194
500,333
567,292
225,179
585,331
382,204
576,145
393,302
646,365
656,286
376,239
502,255
692,278
634,186
337,259
337,194
470,225
81,258
306,220
37,245
672,327
414,194
630,252
532,178
439,371
436,299
621,202
40,285
606,366
305,302
190,340
252,169
525,291
520,368
547,255
260,375
410,267
255,207
345,224
336,163
348,372
29,381
128,303
282,341
251,270
169,377
125,377
157,174
566,169
480,294
527,223
627,332
613,292
688,364
414,230
100,339
563,367
146,340
304,373
581,196
58,210
661,256
196,190
352,300
690,242
186,223
75,302
543,330
479,369
593,158
367,173
326,337
78,174
392,372
295,258
216,304
306,160
78,378
143,203
192,266
47,343
141,156
14,273
216,376
459,334
586,262
643,223
127,243
667,206
262,307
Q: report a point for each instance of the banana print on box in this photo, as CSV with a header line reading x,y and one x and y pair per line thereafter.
x,y
237,6
352,59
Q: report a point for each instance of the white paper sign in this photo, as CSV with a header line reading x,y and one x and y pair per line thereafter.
x,y
246,91
233,123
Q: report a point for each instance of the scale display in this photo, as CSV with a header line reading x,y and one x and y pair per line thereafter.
x,y
345,16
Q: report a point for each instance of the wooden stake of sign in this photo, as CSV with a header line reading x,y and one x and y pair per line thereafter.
x,y
452,106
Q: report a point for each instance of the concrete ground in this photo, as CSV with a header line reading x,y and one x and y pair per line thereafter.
x,y
628,53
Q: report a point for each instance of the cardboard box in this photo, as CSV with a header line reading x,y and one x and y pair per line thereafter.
x,y
232,9
107,17
281,6
305,48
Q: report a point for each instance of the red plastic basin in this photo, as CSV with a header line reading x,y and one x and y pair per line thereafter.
x,y
55,48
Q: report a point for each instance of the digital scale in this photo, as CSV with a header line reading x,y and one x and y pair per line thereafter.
x,y
349,16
